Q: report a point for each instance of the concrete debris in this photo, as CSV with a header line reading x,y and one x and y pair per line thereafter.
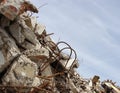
x,y
22,72
30,62
39,29
16,32
12,8
69,63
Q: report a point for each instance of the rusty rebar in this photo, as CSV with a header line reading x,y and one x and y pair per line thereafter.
x,y
39,88
72,50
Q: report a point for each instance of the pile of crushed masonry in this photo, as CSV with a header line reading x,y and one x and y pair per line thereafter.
x,y
30,62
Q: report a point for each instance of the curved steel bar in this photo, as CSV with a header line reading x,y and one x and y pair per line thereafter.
x,y
74,58
69,55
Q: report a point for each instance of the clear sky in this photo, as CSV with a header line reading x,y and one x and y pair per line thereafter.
x,y
91,27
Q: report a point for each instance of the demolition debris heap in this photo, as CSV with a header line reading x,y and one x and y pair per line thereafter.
x,y
30,62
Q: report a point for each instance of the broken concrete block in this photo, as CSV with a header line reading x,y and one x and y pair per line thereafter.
x,y
9,10
15,31
40,56
64,56
22,72
39,29
73,87
95,80
27,6
27,32
8,49
71,63
29,35
36,82
47,71
31,22
37,53
12,8
110,87
27,45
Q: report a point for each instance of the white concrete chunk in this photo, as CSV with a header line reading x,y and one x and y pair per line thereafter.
x,y
67,64
23,71
39,29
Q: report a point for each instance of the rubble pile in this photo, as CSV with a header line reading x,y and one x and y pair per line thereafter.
x,y
30,62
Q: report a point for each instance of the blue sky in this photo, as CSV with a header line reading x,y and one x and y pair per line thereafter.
x,y
91,27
